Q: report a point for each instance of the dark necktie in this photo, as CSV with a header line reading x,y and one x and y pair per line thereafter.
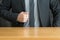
x,y
31,13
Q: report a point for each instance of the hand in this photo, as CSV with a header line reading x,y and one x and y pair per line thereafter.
x,y
23,17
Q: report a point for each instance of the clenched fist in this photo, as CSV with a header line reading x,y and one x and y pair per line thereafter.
x,y
23,17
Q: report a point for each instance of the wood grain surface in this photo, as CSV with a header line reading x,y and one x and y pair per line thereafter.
x,y
21,33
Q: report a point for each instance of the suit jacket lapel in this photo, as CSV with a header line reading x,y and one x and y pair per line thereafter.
x,y
43,10
23,2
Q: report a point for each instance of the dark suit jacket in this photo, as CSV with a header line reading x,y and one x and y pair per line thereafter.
x,y
45,7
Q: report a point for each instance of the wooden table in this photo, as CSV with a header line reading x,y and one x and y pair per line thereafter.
x,y
42,33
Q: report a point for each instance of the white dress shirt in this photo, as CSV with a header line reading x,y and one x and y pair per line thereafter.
x,y
36,23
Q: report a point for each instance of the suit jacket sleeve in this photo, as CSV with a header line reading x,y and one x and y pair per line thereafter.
x,y
5,13
55,7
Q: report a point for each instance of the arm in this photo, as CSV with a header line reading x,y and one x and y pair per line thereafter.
x,y
55,7
5,13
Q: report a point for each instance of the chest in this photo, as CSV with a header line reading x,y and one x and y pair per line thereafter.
x,y
19,5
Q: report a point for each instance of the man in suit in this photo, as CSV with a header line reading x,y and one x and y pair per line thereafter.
x,y
45,7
